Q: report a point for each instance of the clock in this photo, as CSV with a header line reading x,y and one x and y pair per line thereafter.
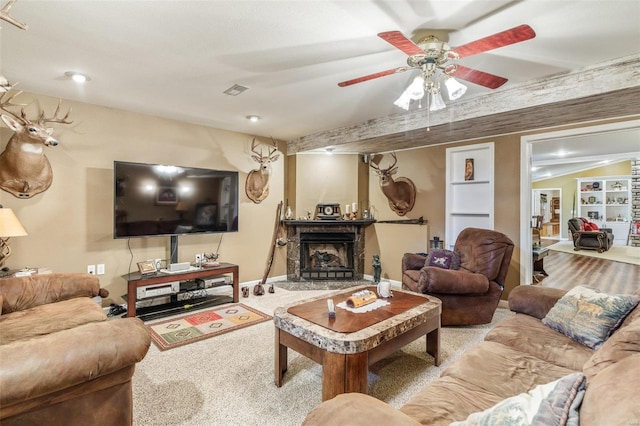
x,y
328,211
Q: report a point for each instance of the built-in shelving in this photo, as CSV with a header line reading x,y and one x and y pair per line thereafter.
x,y
469,198
607,202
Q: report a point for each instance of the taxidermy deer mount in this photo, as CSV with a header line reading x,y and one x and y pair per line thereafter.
x,y
24,169
257,184
400,192
4,15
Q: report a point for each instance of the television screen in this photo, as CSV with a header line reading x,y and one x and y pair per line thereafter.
x,y
154,199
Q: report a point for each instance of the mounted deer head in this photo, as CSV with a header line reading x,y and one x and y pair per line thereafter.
x,y
24,169
400,192
257,184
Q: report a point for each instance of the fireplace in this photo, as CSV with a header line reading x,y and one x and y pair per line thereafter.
x,y
327,256
325,250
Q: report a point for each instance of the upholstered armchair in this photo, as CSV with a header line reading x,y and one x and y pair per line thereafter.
x,y
590,239
469,294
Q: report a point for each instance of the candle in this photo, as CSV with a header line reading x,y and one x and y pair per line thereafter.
x,y
354,207
347,209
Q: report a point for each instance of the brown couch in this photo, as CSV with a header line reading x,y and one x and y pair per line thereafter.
x,y
470,294
516,356
61,361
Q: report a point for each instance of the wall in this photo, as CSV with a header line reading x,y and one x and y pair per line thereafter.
x,y
426,168
70,225
569,187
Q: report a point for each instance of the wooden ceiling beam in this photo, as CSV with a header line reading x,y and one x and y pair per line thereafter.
x,y
605,90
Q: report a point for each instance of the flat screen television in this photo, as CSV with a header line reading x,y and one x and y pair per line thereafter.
x,y
159,200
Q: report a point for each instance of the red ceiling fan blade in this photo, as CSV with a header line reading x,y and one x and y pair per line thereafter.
x,y
399,41
372,76
501,39
479,77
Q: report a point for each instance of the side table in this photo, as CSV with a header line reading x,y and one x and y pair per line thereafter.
x,y
539,254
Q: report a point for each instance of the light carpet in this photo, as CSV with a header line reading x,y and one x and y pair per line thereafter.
x,y
229,380
625,254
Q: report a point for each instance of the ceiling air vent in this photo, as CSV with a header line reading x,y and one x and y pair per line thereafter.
x,y
235,90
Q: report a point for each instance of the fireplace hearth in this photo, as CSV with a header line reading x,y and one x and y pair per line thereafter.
x,y
325,250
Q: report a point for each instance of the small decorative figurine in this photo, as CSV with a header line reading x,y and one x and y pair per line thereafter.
x,y
377,268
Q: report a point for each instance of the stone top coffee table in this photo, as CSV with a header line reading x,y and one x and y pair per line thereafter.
x,y
348,344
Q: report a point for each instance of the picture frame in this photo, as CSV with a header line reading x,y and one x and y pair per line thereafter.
x,y
147,267
469,169
592,200
593,215
167,195
206,215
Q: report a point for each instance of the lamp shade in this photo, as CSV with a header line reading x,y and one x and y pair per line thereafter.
x,y
10,226
455,88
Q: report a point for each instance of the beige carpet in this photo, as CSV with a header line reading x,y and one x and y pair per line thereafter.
x,y
229,379
626,254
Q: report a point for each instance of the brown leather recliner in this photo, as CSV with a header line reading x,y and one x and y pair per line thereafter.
x,y
61,361
600,240
469,295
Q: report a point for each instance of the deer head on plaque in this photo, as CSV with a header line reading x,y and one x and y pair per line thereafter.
x,y
401,192
24,168
257,184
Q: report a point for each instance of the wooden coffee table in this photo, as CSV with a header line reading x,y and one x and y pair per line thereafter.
x,y
348,344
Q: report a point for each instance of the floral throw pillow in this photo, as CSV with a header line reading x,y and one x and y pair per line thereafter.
x,y
588,316
445,259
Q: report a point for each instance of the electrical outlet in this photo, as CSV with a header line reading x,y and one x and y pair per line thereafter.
x,y
91,269
100,268
198,259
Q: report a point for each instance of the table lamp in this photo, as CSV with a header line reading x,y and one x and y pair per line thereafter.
x,y
10,226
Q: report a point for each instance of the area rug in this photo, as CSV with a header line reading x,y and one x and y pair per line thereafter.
x,y
625,254
201,325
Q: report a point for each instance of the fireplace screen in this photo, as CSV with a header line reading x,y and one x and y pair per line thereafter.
x,y
326,256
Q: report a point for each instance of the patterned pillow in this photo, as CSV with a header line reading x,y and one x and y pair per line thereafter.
x,y
445,259
555,403
588,316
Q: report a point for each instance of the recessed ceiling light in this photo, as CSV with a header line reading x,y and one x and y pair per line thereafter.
x,y
77,77
253,118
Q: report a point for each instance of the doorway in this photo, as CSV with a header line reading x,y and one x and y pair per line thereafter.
x,y
604,132
546,202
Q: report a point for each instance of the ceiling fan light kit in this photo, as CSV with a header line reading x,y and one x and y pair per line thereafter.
x,y
434,59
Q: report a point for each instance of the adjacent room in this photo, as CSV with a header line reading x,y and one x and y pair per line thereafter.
x,y
319,212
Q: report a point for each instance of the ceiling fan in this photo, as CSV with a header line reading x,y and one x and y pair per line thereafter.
x,y
430,55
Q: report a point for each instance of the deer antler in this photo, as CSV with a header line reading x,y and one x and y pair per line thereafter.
x,y
55,119
395,160
5,101
4,15
275,147
254,146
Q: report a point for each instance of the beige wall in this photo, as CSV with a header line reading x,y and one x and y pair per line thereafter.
x,y
426,168
322,178
70,225
568,186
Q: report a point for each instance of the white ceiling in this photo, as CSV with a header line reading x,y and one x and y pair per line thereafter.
x,y
175,58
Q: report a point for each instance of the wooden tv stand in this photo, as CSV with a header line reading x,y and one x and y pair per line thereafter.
x,y
135,280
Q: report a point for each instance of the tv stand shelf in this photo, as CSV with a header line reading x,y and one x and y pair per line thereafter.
x,y
135,280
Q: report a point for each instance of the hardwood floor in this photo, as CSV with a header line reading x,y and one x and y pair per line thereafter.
x,y
569,270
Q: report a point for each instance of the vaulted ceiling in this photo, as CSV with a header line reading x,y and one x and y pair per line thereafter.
x,y
175,59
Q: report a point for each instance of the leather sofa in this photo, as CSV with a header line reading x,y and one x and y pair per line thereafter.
x,y
517,355
61,361
470,294
600,239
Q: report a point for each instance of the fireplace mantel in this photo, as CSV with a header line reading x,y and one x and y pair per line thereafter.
x,y
295,228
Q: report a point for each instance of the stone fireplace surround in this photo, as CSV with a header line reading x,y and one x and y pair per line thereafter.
x,y
301,231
